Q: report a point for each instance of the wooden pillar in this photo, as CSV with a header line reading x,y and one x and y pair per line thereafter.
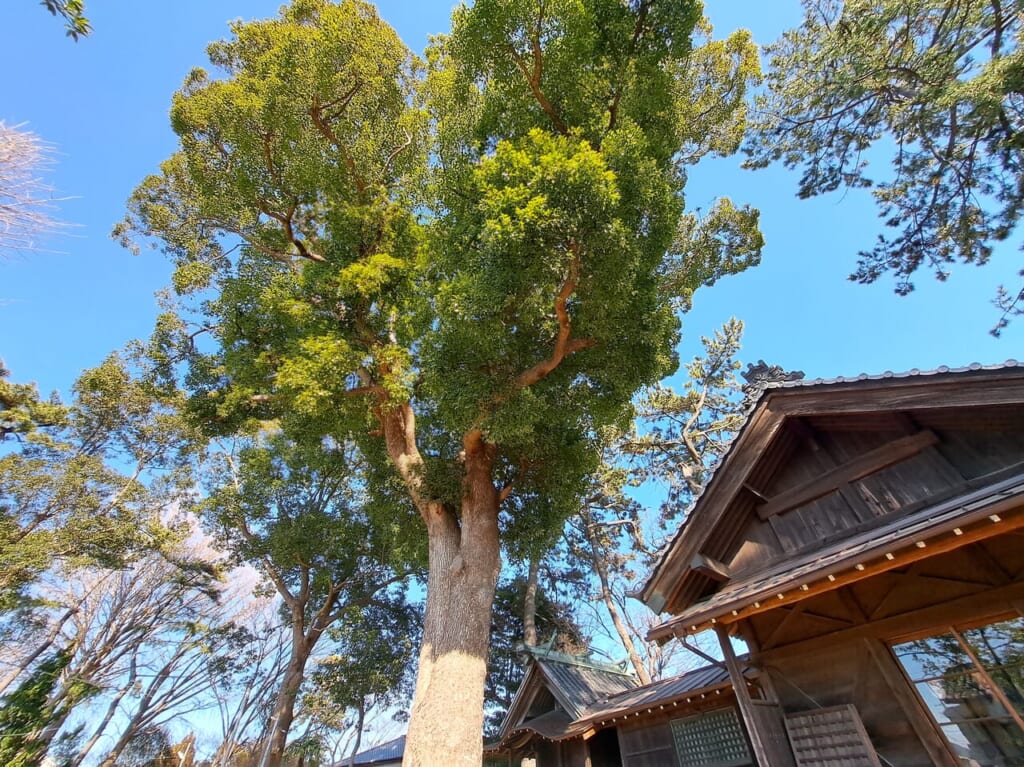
x,y
922,724
758,739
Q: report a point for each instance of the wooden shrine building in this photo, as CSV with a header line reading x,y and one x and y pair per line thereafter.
x,y
573,712
865,539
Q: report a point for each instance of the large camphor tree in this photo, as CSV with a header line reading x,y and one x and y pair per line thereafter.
x,y
464,268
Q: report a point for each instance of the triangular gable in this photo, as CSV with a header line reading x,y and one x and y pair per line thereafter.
x,y
687,572
573,683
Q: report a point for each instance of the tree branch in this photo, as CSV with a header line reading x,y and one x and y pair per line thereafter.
x,y
564,345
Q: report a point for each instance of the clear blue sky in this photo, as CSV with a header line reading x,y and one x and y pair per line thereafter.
x,y
103,103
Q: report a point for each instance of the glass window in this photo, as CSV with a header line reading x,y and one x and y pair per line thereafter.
x,y
970,680
1000,649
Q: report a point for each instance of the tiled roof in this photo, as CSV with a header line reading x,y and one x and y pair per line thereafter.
x,y
803,383
385,752
579,685
557,725
552,725
941,370
657,693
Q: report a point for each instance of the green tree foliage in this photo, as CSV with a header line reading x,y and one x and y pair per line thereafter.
x,y
370,668
470,324
938,85
680,435
22,412
151,747
298,514
27,711
73,12
86,483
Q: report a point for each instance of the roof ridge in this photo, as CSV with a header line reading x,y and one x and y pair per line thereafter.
x,y
585,661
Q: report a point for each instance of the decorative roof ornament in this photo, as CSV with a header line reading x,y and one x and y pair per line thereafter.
x,y
761,375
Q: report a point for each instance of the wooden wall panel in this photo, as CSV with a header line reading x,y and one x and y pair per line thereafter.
x,y
647,745
846,674
574,753
976,453
829,737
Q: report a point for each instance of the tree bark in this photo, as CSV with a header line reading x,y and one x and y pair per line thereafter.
x,y
446,724
530,604
601,568
360,723
284,708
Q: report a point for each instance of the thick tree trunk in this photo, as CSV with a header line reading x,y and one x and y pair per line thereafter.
x,y
446,726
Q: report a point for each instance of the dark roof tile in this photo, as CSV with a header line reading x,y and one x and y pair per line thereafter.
x,y
385,752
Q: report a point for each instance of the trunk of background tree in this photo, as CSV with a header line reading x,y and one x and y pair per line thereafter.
x,y
360,723
530,603
83,752
45,646
601,568
446,724
284,708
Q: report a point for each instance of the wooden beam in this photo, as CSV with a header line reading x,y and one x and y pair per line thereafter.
x,y
857,468
986,524
1003,387
849,600
909,625
989,564
710,567
918,582
701,654
922,724
758,740
829,455
982,532
668,576
791,613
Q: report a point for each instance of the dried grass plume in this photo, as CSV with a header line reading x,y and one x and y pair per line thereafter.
x,y
25,201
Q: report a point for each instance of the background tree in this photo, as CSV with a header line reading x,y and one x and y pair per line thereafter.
x,y
555,626
87,483
298,515
936,84
244,685
472,334
674,446
134,642
371,668
23,412
27,711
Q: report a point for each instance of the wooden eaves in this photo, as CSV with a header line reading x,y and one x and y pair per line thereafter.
x,y
952,524
675,575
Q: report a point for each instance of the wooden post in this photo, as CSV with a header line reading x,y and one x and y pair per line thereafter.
x,y
739,684
898,685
